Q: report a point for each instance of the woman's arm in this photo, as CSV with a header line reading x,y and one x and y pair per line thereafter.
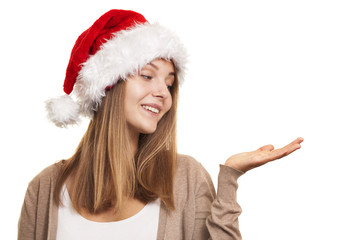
x,y
216,215
222,220
222,223
26,224
36,220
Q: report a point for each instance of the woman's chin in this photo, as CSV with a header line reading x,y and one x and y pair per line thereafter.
x,y
148,130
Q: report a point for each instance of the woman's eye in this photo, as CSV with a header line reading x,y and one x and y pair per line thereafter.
x,y
146,76
169,87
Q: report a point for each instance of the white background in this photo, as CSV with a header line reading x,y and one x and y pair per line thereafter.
x,y
260,72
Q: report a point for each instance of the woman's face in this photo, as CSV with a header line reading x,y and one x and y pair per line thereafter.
x,y
147,96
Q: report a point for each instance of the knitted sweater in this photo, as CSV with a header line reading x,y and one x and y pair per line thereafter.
x,y
199,213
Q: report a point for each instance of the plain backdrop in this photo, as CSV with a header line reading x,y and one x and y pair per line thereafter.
x,y
260,72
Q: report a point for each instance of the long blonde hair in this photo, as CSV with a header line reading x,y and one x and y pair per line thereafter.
x,y
104,172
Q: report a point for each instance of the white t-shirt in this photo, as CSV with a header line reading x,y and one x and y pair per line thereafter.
x,y
71,225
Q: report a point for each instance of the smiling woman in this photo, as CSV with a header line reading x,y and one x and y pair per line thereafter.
x,y
148,96
125,75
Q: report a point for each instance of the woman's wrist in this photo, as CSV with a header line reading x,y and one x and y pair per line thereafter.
x,y
240,167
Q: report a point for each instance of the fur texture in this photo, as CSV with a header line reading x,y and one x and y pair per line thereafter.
x,y
62,111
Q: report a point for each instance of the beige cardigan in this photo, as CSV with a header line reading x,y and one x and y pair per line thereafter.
x,y
200,213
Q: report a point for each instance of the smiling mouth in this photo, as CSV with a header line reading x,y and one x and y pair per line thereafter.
x,y
151,109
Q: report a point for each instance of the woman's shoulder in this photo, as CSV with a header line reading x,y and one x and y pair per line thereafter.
x,y
191,180
48,174
188,163
190,167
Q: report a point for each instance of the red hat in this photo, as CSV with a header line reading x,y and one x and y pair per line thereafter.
x,y
117,45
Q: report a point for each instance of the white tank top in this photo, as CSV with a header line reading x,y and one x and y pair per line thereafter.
x,y
141,226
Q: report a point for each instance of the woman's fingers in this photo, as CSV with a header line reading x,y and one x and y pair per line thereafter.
x,y
284,151
294,145
290,145
296,141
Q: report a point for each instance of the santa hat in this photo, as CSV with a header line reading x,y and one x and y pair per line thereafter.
x,y
117,45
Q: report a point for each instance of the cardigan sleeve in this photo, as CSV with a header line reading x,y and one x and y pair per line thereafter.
x,y
217,214
36,219
26,224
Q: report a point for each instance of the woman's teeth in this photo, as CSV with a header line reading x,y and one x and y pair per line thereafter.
x,y
154,110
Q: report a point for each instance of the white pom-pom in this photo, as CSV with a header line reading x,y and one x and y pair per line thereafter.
x,y
62,111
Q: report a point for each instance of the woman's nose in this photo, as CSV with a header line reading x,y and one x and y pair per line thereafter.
x,y
161,89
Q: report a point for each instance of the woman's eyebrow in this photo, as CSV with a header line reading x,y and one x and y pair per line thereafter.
x,y
153,65
157,68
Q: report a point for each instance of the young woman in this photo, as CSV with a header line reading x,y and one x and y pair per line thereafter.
x,y
126,180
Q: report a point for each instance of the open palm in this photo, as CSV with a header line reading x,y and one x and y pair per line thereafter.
x,y
249,160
